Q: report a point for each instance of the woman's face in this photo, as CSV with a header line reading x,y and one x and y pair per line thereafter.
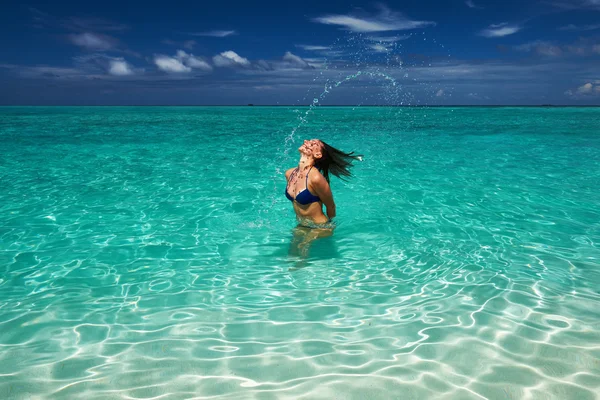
x,y
313,147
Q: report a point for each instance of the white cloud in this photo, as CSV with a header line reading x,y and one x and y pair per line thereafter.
x,y
477,76
386,20
384,44
220,34
439,93
312,48
181,63
92,41
119,67
94,66
596,48
100,65
198,64
500,30
170,64
294,60
316,62
572,27
289,62
230,59
526,80
586,90
193,62
263,65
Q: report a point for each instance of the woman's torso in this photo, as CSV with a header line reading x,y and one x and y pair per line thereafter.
x,y
297,185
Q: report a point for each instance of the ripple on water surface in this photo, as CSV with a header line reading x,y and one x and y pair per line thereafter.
x,y
464,264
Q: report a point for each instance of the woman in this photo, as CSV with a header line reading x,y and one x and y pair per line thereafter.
x,y
308,188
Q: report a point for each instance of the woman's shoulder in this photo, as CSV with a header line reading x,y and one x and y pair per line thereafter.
x,y
289,172
315,176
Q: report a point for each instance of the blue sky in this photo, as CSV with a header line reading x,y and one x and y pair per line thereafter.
x,y
227,52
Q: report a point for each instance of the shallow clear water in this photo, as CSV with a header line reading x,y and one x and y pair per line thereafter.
x,y
149,252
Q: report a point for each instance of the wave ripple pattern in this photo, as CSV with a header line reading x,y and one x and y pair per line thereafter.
x,y
146,253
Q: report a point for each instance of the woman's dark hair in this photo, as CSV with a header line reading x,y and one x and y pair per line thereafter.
x,y
335,161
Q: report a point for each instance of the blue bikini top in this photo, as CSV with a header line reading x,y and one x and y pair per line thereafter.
x,y
304,197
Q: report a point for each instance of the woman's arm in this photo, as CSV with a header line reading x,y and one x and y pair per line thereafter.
x,y
323,190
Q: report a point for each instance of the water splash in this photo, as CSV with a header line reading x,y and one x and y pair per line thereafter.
x,y
360,57
326,90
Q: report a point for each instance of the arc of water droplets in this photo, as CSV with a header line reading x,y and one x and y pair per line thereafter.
x,y
326,91
304,119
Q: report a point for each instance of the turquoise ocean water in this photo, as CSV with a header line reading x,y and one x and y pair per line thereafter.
x,y
150,253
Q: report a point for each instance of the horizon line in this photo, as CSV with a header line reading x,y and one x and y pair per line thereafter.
x,y
303,105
